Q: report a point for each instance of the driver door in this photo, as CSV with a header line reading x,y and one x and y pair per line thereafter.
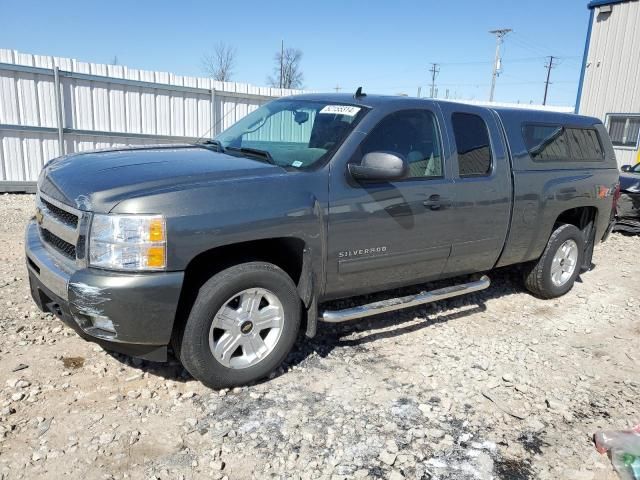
x,y
387,234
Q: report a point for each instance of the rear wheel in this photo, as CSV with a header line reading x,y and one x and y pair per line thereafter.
x,y
242,325
556,270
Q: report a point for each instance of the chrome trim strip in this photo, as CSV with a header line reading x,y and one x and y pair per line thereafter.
x,y
60,205
375,308
55,274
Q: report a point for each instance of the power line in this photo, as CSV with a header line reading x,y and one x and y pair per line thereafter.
x,y
546,84
500,34
486,62
435,70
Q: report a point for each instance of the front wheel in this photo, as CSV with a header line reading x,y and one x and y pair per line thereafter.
x,y
242,325
556,270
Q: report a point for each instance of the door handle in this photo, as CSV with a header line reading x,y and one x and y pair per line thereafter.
x,y
436,202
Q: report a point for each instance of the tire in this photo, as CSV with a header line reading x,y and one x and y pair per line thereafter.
x,y
539,278
232,288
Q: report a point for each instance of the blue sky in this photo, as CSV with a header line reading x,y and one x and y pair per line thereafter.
x,y
386,46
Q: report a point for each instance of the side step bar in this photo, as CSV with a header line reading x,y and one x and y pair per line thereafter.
x,y
375,308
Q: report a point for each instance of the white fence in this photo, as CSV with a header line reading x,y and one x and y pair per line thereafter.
x,y
51,105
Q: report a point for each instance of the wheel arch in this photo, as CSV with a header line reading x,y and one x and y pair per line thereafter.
x,y
585,219
291,254
581,217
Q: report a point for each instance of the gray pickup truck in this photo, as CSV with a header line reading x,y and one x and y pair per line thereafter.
x,y
225,250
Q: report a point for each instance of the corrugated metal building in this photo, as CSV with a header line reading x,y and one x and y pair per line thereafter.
x,y
610,80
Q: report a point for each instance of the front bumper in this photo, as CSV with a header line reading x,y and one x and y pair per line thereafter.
x,y
140,308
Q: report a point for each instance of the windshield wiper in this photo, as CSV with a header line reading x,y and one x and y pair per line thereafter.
x,y
254,152
214,143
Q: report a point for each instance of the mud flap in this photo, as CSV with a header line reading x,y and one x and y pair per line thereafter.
x,y
312,318
590,241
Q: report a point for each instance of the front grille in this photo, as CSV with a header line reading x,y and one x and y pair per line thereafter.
x,y
61,215
59,244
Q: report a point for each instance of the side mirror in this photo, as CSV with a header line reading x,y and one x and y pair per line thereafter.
x,y
380,166
626,168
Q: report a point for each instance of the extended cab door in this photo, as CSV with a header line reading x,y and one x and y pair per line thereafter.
x,y
481,187
386,234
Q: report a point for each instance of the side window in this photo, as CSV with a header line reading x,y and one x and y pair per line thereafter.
x,y
546,142
412,134
473,144
584,144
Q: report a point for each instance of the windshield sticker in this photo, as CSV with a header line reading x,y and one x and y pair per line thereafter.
x,y
297,163
341,110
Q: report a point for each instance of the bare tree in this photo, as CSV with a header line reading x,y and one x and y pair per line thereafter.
x,y
219,65
287,70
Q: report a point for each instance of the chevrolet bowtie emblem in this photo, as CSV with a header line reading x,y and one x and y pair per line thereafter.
x,y
39,216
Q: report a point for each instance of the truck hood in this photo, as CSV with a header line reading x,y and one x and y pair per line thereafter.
x,y
97,181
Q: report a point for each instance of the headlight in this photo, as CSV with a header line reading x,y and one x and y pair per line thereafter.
x,y
128,242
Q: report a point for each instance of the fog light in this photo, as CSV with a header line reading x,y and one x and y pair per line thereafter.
x,y
102,323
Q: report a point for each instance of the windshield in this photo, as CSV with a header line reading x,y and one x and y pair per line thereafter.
x,y
291,133
636,168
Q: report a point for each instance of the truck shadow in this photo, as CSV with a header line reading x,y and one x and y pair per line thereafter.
x,y
354,334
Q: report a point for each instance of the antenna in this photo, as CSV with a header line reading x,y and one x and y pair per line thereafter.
x,y
359,93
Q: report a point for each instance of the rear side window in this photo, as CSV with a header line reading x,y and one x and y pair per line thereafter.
x,y
546,142
559,144
472,143
585,144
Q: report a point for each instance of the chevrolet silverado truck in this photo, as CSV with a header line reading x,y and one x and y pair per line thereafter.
x,y
226,250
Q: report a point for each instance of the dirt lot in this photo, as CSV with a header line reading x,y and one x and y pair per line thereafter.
x,y
494,385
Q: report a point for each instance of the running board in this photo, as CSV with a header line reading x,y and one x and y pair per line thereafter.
x,y
375,308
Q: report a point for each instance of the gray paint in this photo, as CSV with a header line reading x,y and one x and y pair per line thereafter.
x,y
212,199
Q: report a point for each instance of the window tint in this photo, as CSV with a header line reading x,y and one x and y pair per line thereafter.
x,y
559,144
412,134
584,144
473,145
624,130
546,142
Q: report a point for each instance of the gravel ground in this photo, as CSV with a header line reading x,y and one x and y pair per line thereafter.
x,y
493,385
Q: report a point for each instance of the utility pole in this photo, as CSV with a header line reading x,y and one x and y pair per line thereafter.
x,y
435,70
337,88
549,66
281,62
500,34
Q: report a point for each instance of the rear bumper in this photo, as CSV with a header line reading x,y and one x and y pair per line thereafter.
x,y
138,310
